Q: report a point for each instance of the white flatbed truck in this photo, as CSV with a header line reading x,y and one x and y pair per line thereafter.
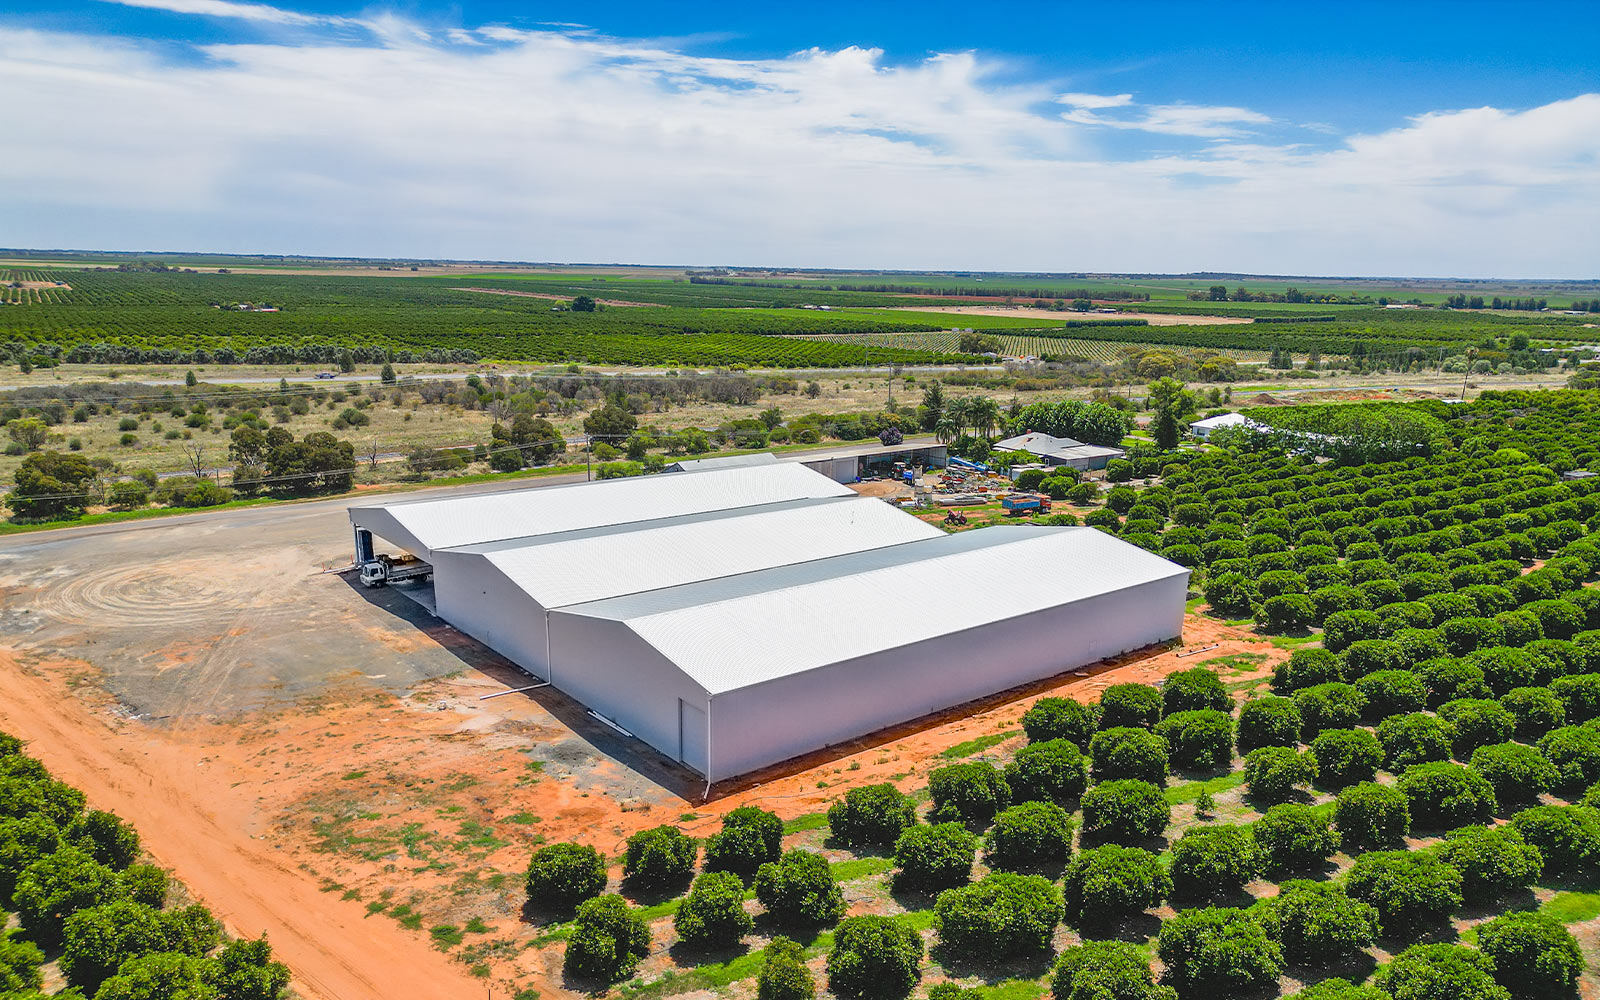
x,y
385,570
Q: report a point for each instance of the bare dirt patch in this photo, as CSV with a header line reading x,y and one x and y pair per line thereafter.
x,y
548,295
1048,316
349,823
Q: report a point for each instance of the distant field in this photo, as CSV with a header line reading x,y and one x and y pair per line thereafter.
x,y
99,315
1016,345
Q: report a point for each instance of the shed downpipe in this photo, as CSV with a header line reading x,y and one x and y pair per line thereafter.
x,y
707,796
549,667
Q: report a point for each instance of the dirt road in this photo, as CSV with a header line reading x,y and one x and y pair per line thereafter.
x,y
197,825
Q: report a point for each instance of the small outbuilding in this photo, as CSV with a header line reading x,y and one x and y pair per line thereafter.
x,y
1061,451
1202,428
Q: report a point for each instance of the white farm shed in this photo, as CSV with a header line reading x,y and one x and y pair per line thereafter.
x,y
502,593
736,618
734,674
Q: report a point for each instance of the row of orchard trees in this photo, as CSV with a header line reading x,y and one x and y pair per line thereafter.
x,y
76,883
1108,763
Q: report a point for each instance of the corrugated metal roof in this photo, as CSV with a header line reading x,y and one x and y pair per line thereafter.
x,y
1037,443
465,520
723,462
745,630
1220,420
591,566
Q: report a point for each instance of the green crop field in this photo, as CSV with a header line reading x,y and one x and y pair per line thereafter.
x,y
146,315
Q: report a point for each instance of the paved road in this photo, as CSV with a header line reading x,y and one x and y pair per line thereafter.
x,y
316,515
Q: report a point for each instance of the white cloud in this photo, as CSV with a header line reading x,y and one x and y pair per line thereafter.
x,y
230,9
1095,100
552,145
1195,120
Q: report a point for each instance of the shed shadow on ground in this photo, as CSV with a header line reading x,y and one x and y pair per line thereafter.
x,y
633,754
669,774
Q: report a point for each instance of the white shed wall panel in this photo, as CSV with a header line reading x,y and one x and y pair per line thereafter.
x,y
476,598
617,674
487,517
753,727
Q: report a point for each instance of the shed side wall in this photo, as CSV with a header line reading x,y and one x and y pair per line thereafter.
x,y
475,597
773,722
608,668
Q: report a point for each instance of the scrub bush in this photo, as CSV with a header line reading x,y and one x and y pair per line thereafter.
x,y
1414,739
1104,886
659,857
1002,916
1409,889
1218,952
1059,719
935,857
798,889
750,837
871,816
874,958
1443,794
712,915
1294,838
1371,814
971,792
1346,757
1212,862
1197,739
1028,835
560,876
1050,771
1128,752
1129,705
1534,955
608,940
1268,722
1491,859
1125,810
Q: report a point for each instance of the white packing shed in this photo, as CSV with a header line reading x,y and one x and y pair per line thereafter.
x,y
422,527
733,674
739,617
502,593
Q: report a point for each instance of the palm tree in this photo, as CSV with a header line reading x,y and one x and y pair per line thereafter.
x,y
984,415
959,412
946,430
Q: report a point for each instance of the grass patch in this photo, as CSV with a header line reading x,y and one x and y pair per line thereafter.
x,y
445,936
1015,989
355,775
523,819
477,926
810,821
1236,662
1573,907
848,871
1190,790
978,745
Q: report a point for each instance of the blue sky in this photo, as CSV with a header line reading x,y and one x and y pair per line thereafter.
x,y
1440,139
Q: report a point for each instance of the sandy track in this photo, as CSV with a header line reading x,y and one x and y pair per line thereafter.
x,y
198,827
1047,316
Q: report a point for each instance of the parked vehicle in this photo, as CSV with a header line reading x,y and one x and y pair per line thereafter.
x,y
385,570
1023,504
